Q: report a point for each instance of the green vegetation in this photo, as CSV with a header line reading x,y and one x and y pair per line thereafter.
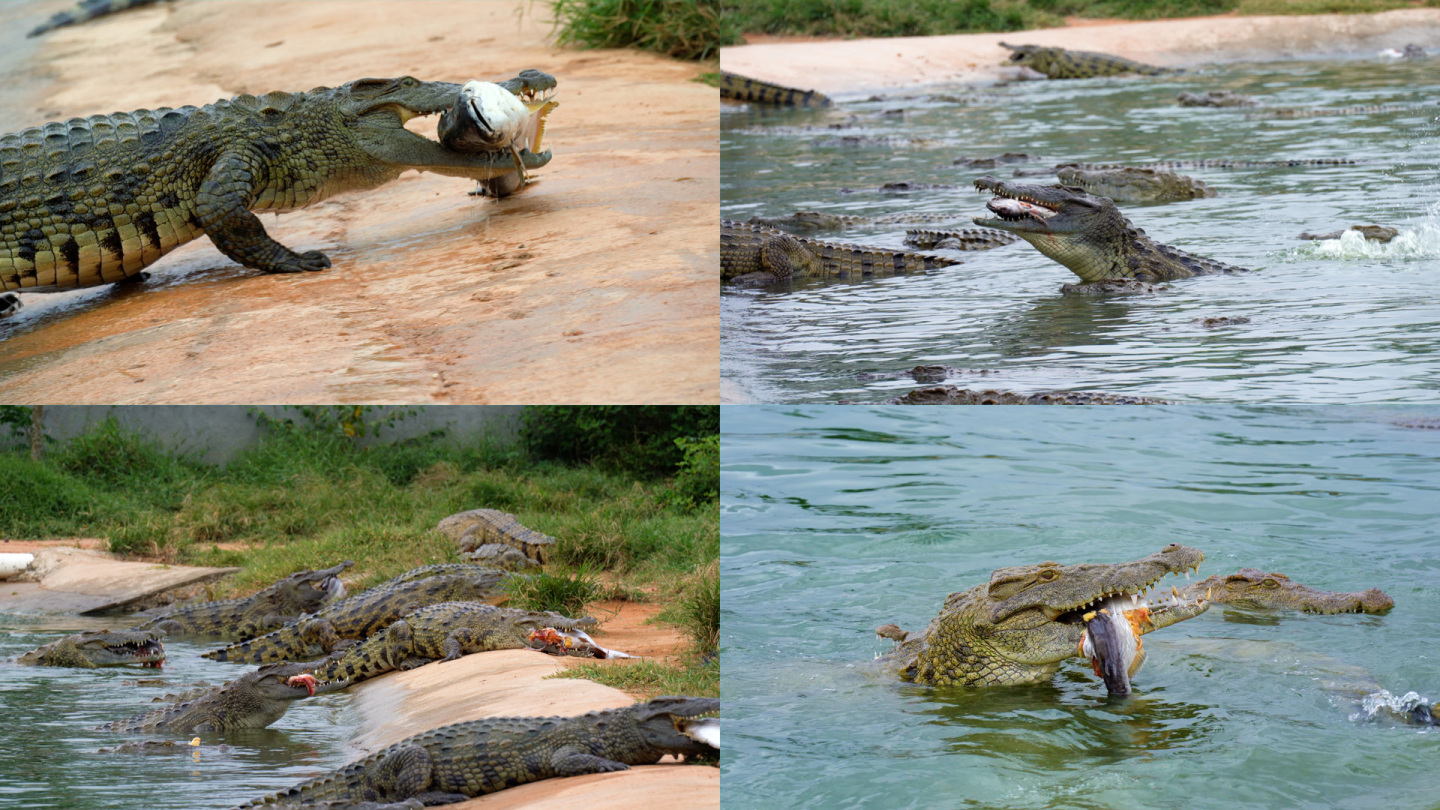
x,y
684,29
307,495
648,679
892,18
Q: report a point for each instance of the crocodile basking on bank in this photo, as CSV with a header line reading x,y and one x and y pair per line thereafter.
x,y
1132,184
100,648
1087,234
362,615
456,762
752,254
740,88
241,619
87,10
442,632
1059,63
253,700
496,538
95,200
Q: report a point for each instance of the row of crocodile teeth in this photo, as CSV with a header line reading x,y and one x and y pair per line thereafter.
x,y
1135,596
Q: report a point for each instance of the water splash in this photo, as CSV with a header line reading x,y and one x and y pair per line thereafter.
x,y
1382,702
1422,242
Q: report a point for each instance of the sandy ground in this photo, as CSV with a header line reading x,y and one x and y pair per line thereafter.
x,y
596,285
869,65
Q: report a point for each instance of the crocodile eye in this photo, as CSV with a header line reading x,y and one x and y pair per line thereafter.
x,y
409,82
1269,583
1048,575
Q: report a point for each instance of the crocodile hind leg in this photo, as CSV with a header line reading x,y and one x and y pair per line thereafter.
x,y
9,304
406,773
220,207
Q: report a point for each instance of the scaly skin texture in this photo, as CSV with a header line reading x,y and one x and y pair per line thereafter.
x,y
1253,588
951,395
754,254
253,700
1087,234
99,648
241,619
87,10
1058,63
464,760
966,239
754,91
94,200
478,529
1170,165
1131,184
1226,98
1215,98
442,632
819,221
1018,627
360,616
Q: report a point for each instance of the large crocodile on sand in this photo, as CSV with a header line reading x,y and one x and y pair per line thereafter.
x,y
1133,184
86,10
497,538
740,88
253,700
241,619
442,632
360,616
1027,619
1087,234
95,200
456,762
1059,63
100,648
752,254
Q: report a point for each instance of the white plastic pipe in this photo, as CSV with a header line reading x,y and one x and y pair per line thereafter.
x,y
12,564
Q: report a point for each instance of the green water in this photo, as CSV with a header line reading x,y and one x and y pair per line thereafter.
x,y
1328,322
836,520
49,751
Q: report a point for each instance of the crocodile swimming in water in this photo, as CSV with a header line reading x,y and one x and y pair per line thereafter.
x,y
95,200
1059,63
441,632
951,395
1171,165
1253,588
362,615
100,648
1087,234
819,221
253,700
241,619
496,538
740,88
87,10
456,762
964,239
1132,184
1253,108
752,254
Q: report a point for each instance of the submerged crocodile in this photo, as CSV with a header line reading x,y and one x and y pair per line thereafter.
x,y
1253,588
360,616
241,619
86,10
442,632
1132,184
951,395
1087,234
818,221
95,200
456,762
496,538
1253,109
1171,165
253,700
100,648
1027,619
752,254
965,239
1059,63
1372,233
740,88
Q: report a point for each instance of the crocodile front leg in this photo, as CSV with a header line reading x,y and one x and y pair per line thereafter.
x,y
221,206
9,304
571,760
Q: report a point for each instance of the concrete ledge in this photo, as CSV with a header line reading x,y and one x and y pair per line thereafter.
x,y
75,580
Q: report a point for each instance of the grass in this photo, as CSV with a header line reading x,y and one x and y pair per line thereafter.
x,y
683,29
889,18
645,679
565,593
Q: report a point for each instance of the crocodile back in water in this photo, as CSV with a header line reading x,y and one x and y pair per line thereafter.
x,y
757,252
741,88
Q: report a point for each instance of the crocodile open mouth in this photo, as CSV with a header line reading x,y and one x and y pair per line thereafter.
x,y
1150,596
1011,208
704,729
150,653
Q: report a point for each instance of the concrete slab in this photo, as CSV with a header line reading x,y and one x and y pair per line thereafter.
x,y
75,580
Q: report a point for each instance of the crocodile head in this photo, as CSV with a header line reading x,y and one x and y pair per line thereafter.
x,y
1132,184
375,111
100,648
1036,57
1067,224
283,681
679,725
1018,627
1252,588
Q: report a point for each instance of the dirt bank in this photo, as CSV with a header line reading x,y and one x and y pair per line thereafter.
x,y
868,65
596,285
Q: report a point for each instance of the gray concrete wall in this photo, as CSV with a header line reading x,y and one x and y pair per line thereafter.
x,y
215,433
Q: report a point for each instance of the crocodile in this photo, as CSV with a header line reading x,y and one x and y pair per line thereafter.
x,y
1172,165
1372,233
441,632
100,648
487,116
497,538
818,221
965,239
87,10
932,372
253,700
241,619
1087,234
752,254
1253,109
360,616
95,200
1216,98
1132,184
1059,63
1253,588
740,88
1019,627
951,395
460,761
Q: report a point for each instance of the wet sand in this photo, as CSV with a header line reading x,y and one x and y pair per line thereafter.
x,y
595,285
870,65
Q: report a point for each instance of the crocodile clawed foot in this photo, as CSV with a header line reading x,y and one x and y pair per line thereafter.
x,y
9,304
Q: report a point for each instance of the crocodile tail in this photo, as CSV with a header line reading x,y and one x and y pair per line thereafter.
x,y
87,10
741,88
